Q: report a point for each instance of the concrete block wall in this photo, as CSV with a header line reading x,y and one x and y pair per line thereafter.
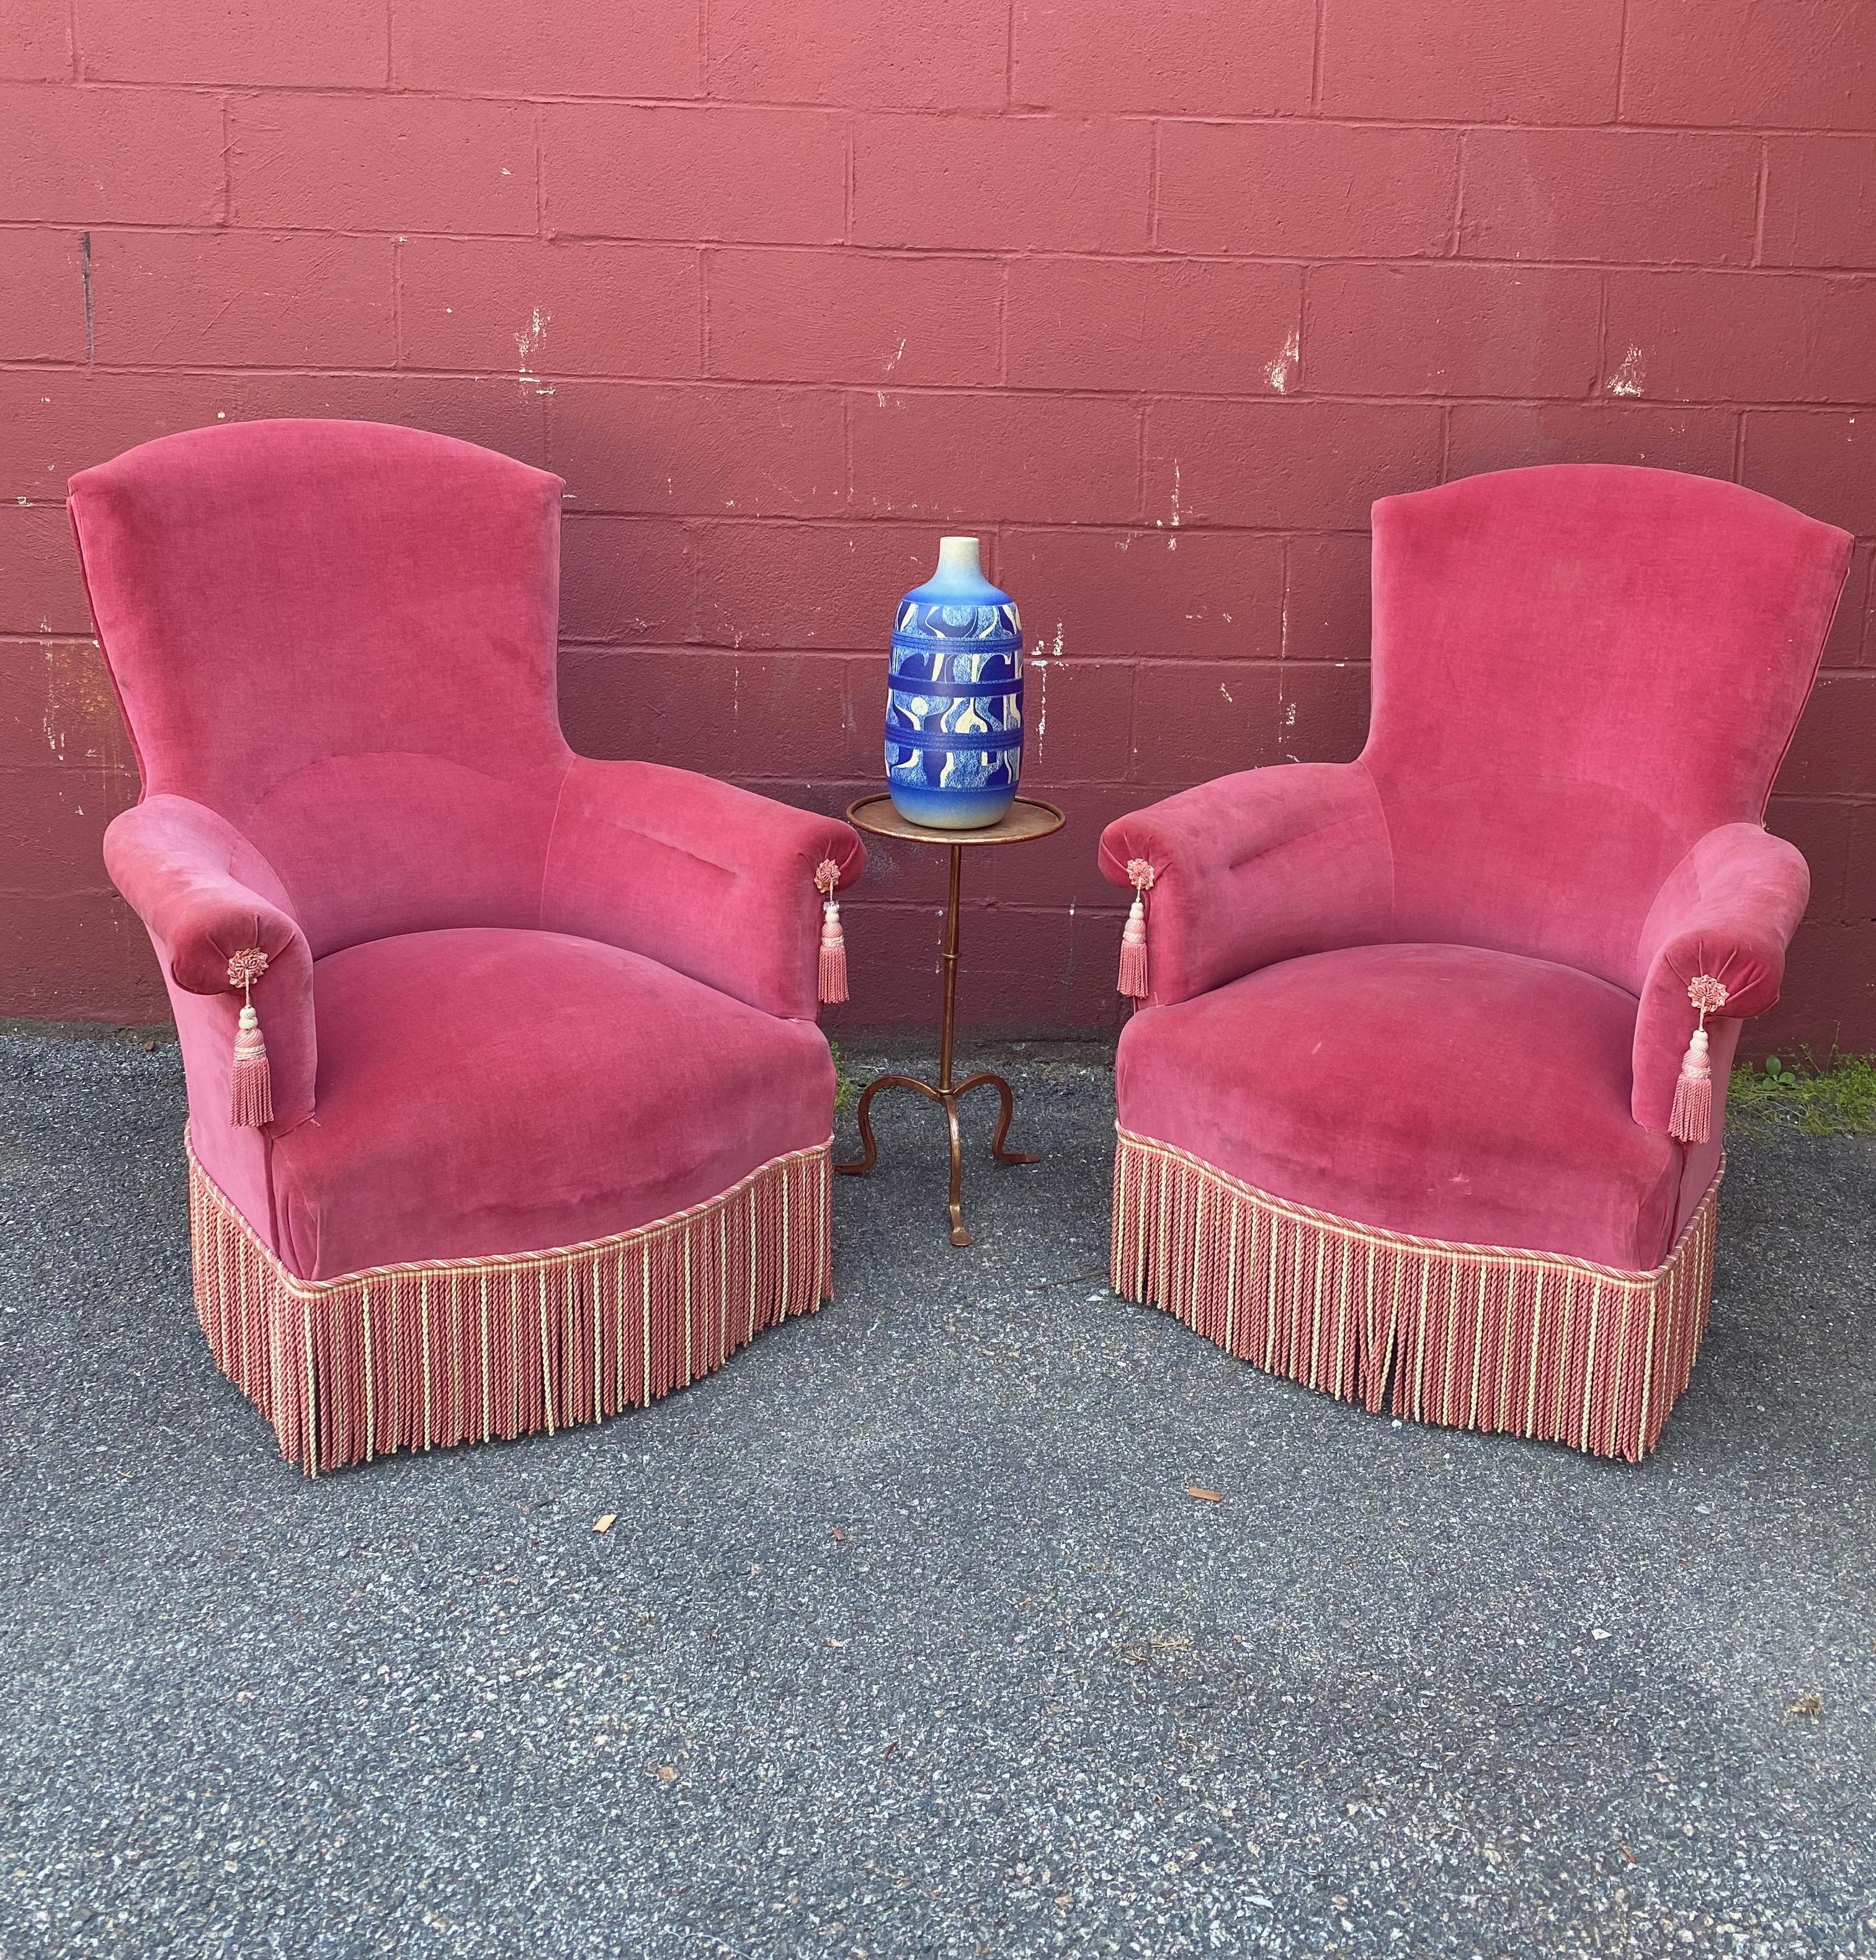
x,y
1157,299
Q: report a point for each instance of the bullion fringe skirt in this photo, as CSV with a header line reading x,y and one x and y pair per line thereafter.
x,y
417,1356
1481,1337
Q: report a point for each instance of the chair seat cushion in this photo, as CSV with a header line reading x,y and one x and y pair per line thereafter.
x,y
1446,1091
490,1091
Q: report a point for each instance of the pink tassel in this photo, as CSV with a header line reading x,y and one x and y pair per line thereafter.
x,y
1691,1119
833,941
252,1083
1133,981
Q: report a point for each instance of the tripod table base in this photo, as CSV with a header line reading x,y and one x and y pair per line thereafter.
x,y
947,1099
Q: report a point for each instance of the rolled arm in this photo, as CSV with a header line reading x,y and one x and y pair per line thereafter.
x,y
204,893
1248,869
710,879
1728,909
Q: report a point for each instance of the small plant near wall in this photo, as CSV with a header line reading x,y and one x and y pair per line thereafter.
x,y
1836,1097
1777,1072
846,1083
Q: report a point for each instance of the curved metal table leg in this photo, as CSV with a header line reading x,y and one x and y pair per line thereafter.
x,y
959,1235
863,1117
988,1078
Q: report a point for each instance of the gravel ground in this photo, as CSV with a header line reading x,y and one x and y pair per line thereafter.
x,y
908,1639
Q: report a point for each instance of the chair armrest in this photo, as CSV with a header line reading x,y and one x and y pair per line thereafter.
x,y
201,888
1728,908
705,878
1253,868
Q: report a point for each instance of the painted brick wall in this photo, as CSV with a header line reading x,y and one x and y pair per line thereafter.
x,y
1156,298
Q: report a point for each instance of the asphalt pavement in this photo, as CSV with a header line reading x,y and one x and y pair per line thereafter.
x,y
908,1638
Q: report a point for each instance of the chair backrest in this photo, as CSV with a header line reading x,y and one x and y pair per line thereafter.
x,y
341,636
1579,669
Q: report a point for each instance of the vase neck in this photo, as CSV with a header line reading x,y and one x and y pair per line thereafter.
x,y
958,558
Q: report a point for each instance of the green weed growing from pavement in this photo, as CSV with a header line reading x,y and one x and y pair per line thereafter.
x,y
844,1083
1833,1098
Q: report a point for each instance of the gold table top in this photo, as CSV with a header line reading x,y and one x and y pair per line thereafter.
x,y
1026,818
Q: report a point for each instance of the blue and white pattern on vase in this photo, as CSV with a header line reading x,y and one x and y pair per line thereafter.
x,y
954,703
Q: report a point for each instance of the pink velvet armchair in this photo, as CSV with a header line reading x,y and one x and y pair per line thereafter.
x,y
528,1116
1420,1103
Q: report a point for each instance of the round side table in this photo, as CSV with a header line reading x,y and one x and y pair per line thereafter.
x,y
1025,818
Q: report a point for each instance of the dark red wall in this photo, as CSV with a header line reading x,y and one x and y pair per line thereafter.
x,y
1156,297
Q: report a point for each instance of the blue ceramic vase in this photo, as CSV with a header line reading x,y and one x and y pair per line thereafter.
x,y
954,705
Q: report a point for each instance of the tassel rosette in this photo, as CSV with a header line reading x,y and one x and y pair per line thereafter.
x,y
253,1084
1133,980
1691,1119
833,941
